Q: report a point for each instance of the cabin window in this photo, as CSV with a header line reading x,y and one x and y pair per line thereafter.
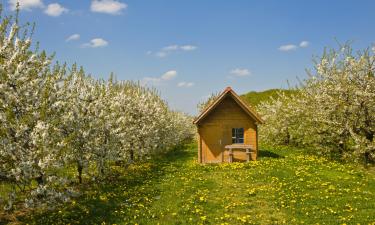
x,y
237,135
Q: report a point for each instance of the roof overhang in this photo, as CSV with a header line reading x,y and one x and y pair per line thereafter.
x,y
228,91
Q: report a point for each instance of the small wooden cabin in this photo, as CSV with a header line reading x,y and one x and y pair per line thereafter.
x,y
227,130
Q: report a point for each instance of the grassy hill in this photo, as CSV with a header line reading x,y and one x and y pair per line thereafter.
x,y
285,186
254,98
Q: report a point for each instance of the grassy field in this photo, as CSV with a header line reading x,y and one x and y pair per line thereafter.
x,y
285,186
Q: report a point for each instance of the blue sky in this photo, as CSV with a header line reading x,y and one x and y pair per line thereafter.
x,y
189,49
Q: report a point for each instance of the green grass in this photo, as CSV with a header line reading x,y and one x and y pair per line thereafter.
x,y
255,98
284,186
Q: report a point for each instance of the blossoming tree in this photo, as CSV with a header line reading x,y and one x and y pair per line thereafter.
x,y
55,119
334,109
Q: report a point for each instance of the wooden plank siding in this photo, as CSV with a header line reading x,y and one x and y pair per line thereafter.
x,y
215,132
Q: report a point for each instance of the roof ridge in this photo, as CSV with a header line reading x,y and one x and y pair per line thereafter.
x,y
239,101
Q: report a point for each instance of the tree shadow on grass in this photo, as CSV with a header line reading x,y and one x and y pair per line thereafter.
x,y
121,197
269,154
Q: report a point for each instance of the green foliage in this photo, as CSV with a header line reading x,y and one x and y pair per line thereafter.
x,y
287,185
254,98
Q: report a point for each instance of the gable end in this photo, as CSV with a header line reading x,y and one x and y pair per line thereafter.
x,y
229,92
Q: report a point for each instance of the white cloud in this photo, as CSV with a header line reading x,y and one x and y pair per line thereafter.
x,y
55,9
286,48
169,75
171,48
292,47
95,43
161,54
240,72
188,47
185,84
26,4
304,44
113,7
181,84
73,37
167,50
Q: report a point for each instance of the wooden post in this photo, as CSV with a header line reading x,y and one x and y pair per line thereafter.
x,y
230,155
248,154
199,148
256,147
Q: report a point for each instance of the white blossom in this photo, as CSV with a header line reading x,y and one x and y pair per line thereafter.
x,y
54,119
333,110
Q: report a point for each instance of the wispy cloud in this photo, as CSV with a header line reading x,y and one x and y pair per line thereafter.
x,y
113,7
55,9
73,37
185,84
170,49
292,47
96,43
169,75
304,44
161,54
240,72
188,47
287,48
26,4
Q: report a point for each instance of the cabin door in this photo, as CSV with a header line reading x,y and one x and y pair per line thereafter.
x,y
227,140
213,143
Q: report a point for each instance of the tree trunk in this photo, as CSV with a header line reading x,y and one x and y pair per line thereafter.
x,y
131,154
39,179
101,166
367,155
79,170
287,138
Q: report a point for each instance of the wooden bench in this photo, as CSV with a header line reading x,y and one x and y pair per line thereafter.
x,y
248,149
